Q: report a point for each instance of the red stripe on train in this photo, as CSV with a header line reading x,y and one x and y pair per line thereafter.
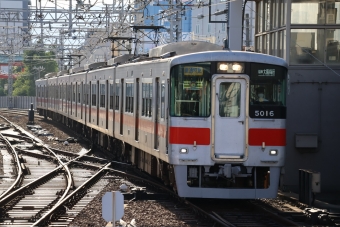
x,y
181,135
271,137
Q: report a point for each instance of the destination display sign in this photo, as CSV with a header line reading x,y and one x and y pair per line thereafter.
x,y
266,72
193,71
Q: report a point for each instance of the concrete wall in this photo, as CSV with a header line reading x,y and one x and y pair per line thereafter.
x,y
313,108
18,102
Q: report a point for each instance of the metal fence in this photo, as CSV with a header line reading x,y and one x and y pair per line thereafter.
x,y
17,102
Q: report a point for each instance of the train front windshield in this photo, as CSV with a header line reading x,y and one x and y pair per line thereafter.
x,y
190,89
268,86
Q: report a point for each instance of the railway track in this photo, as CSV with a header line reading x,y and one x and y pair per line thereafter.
x,y
91,175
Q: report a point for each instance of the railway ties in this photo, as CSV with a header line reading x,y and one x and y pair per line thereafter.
x,y
40,185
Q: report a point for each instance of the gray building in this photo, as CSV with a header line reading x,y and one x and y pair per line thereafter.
x,y
212,25
307,35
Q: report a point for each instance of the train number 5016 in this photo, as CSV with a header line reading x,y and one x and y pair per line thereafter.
x,y
264,113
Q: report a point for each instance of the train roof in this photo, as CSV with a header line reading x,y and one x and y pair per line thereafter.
x,y
180,53
226,55
180,48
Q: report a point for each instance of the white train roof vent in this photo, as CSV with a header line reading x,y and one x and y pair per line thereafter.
x,y
184,47
61,73
120,59
50,75
77,69
95,65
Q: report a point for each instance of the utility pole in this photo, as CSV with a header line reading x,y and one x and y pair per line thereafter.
x,y
10,82
39,69
178,23
247,31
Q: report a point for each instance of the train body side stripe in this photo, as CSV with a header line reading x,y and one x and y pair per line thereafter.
x,y
271,137
181,135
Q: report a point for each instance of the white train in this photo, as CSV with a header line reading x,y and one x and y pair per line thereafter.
x,y
209,122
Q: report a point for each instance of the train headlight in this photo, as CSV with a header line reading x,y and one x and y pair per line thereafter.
x,y
183,150
273,152
237,68
223,67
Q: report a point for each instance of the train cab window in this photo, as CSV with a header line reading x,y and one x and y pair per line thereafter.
x,y
229,99
268,86
190,90
94,96
111,96
102,95
129,97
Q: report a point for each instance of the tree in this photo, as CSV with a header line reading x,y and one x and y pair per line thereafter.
x,y
24,85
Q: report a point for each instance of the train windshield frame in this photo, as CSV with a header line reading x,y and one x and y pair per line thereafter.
x,y
190,90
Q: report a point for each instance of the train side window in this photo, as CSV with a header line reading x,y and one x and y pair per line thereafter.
x,y
74,93
129,97
69,92
117,90
111,96
147,99
162,100
94,92
79,87
102,95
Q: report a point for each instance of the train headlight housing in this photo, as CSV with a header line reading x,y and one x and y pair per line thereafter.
x,y
230,67
273,152
183,150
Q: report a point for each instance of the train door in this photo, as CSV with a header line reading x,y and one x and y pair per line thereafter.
x,y
137,110
229,117
62,97
73,99
156,119
55,90
90,102
81,100
97,102
106,97
45,96
121,107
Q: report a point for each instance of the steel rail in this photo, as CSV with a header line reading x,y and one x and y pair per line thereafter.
x,y
20,174
66,169
43,221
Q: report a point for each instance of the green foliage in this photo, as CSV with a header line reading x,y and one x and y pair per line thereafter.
x,y
2,85
24,85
